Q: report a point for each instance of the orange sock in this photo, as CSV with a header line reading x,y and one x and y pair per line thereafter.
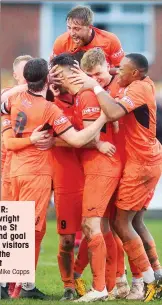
x,y
82,260
120,257
111,261
136,273
136,253
66,266
97,259
150,249
78,235
38,239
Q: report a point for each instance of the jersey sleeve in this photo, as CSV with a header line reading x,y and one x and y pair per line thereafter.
x,y
133,98
116,51
5,123
89,106
6,106
57,47
56,118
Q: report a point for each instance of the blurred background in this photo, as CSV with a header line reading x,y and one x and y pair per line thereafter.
x,y
30,27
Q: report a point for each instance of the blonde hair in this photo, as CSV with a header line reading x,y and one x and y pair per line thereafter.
x,y
21,58
92,58
82,13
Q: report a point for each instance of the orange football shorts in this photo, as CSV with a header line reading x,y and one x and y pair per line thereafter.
x,y
33,188
68,212
137,186
97,193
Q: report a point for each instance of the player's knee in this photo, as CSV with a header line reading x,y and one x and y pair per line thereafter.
x,y
86,228
105,226
138,224
67,242
91,226
117,225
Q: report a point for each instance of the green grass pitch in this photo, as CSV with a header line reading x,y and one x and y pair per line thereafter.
x,y
48,278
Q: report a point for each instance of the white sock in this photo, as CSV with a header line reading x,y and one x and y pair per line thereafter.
x,y
158,274
3,285
148,276
28,286
122,278
137,281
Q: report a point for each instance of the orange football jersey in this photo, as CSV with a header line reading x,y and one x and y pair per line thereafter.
x,y
87,109
28,111
107,41
66,164
119,138
6,155
138,101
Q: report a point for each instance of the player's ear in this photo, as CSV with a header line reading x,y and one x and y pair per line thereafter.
x,y
48,78
14,76
136,73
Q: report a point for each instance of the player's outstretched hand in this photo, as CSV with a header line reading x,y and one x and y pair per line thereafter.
x,y
38,135
106,148
55,76
79,77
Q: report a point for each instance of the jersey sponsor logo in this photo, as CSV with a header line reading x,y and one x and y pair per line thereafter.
x,y
6,123
61,120
118,53
128,100
26,103
91,110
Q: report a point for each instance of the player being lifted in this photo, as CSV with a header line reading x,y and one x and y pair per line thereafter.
x,y
82,35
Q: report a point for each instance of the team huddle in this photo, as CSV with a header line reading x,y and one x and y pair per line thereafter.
x,y
84,124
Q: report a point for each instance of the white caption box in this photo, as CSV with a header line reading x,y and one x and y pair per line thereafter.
x,y
17,241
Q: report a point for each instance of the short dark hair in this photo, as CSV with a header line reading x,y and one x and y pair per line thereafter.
x,y
64,59
78,55
82,13
35,73
140,61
